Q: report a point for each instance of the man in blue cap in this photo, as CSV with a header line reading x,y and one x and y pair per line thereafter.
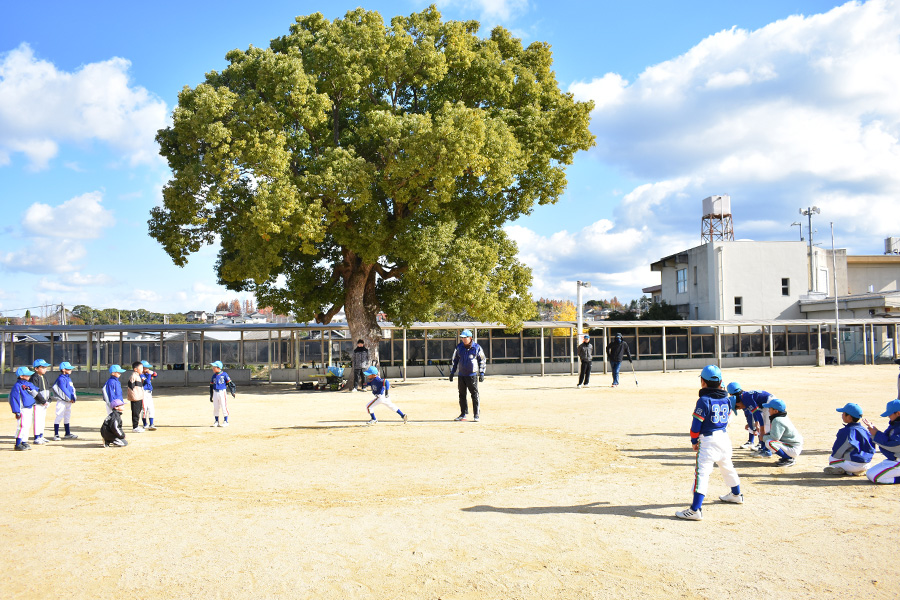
x,y
21,401
39,380
853,449
888,470
469,358
64,392
710,441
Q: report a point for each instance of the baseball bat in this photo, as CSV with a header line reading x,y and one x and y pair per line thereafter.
x,y
632,372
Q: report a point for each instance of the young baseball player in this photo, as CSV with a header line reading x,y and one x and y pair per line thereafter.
x,y
888,470
111,430
22,398
585,356
381,388
135,395
757,419
112,390
360,363
148,412
218,387
853,449
783,438
710,441
64,392
469,358
39,380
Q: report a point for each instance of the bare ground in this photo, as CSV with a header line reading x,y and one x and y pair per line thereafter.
x,y
557,493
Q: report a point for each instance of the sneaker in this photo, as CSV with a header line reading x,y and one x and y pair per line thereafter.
x,y
405,418
747,445
476,418
151,428
784,462
138,430
690,515
118,442
729,497
70,436
578,386
216,424
835,471
460,418
105,444
40,441
56,438
23,446
224,424
371,422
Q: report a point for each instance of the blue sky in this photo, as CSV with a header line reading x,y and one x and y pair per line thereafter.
x,y
779,104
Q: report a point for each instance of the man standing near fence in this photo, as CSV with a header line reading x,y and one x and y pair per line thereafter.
x,y
469,358
616,350
585,355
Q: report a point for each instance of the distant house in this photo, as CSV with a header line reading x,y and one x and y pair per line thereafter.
x,y
256,317
655,292
196,315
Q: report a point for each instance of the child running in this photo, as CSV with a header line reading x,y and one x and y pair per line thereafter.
x,y
380,387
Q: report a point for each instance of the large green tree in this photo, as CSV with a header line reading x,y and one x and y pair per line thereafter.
x,y
371,167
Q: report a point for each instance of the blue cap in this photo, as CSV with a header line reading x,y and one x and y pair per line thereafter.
x,y
586,336
734,387
218,363
116,369
371,371
465,333
65,365
24,371
41,363
776,404
892,407
732,401
852,409
146,364
711,373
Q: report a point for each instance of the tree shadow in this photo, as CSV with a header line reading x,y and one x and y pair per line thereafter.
x,y
592,508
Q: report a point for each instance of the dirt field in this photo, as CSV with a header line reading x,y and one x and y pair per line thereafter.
x,y
557,493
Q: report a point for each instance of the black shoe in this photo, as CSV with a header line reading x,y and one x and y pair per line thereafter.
x,y
476,418
784,462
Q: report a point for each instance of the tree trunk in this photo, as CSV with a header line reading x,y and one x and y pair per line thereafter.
x,y
361,308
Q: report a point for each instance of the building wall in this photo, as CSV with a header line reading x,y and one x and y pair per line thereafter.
x,y
883,277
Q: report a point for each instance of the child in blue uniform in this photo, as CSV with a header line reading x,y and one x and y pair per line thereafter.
x,y
22,398
218,394
64,392
888,470
148,410
112,390
381,388
710,441
757,420
853,449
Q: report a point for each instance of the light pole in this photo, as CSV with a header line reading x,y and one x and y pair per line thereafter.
x,y
800,225
809,212
837,321
581,284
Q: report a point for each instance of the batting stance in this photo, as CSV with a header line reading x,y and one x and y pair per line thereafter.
x,y
469,358
711,443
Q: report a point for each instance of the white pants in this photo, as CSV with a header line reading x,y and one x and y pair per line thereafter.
x,y
40,418
884,472
63,412
792,451
220,400
715,448
26,422
147,410
381,400
847,465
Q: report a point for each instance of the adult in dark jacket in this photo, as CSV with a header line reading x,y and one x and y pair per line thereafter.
x,y
360,363
585,355
616,350
469,359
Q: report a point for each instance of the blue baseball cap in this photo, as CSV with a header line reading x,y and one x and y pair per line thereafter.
x,y
586,336
852,409
146,364
371,371
776,404
892,407
116,369
65,365
711,373
732,401
465,333
41,363
734,387
24,372
218,363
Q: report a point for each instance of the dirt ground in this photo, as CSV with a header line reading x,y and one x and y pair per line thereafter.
x,y
557,493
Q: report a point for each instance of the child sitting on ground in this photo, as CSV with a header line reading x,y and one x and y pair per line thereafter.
x,y
783,438
853,448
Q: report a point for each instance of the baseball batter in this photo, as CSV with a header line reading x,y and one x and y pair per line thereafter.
x,y
710,441
64,392
380,388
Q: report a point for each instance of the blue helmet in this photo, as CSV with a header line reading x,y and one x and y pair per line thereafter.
x,y
465,333
734,388
711,373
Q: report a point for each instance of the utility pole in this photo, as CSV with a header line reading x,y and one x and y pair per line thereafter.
x,y
809,212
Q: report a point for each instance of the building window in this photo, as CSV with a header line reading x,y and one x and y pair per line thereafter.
x,y
785,286
738,305
695,275
681,281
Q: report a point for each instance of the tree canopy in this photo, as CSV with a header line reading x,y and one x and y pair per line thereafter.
x,y
368,166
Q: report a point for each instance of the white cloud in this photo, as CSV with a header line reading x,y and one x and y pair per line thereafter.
x,y
82,217
802,111
491,11
41,107
45,255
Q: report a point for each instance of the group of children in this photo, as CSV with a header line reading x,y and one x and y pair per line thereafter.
x,y
30,397
767,420
139,394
